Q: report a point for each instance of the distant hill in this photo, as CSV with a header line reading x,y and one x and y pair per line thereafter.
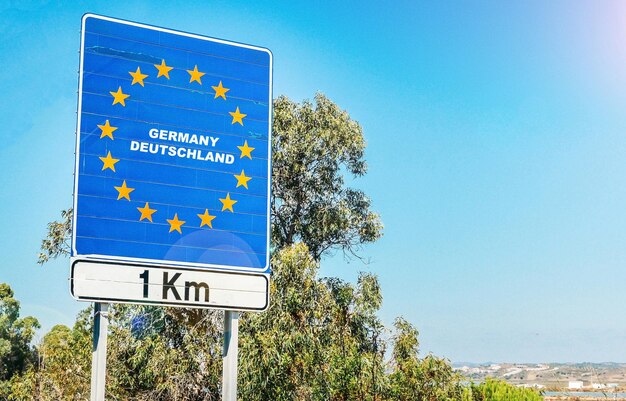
x,y
549,375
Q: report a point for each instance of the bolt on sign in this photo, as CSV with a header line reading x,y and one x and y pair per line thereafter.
x,y
172,176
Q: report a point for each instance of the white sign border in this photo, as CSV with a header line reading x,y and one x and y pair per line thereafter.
x,y
156,262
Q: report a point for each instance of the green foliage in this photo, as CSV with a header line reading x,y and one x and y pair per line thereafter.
x,y
318,341
57,241
496,390
313,145
63,368
16,352
164,354
412,378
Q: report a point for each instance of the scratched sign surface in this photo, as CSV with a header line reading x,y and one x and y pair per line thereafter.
x,y
173,148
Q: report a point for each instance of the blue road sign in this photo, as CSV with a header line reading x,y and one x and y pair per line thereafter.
x,y
173,148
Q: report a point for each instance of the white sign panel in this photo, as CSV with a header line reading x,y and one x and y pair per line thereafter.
x,y
101,281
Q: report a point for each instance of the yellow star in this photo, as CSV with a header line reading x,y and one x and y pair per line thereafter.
x,y
138,77
206,218
242,180
107,130
245,151
228,203
175,224
220,91
164,70
195,75
237,116
109,162
146,212
119,97
124,191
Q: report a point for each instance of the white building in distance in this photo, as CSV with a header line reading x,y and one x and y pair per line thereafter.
x,y
575,384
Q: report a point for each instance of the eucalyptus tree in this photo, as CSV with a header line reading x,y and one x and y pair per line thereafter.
x,y
314,146
16,334
320,339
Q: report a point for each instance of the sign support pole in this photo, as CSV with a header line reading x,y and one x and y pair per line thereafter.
x,y
99,352
229,356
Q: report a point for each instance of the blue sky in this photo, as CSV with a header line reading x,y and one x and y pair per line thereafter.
x,y
496,141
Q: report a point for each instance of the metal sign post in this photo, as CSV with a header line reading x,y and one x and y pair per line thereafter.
x,y
99,353
229,356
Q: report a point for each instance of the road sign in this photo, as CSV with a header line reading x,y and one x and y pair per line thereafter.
x,y
172,175
111,282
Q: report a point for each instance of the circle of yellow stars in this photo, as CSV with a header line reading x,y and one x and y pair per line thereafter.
x,y
124,191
